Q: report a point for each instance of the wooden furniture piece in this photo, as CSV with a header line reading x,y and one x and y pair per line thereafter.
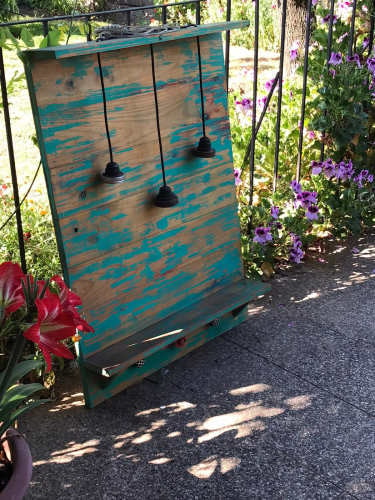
x,y
155,282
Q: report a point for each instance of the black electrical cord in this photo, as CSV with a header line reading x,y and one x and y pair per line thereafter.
x,y
201,85
105,108
157,113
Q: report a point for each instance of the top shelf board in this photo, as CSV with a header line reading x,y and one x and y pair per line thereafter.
x,y
79,49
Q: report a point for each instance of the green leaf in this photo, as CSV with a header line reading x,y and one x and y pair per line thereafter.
x,y
17,413
54,37
27,37
22,369
18,393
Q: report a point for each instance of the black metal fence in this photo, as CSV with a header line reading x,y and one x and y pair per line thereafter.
x,y
163,11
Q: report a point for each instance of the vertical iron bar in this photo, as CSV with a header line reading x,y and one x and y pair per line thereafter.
x,y
372,26
203,119
227,43
255,90
157,113
89,31
164,15
198,12
352,26
12,163
279,97
259,122
45,28
304,87
128,18
329,51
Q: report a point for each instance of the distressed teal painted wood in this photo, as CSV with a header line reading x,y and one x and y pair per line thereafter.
x,y
65,51
117,357
137,266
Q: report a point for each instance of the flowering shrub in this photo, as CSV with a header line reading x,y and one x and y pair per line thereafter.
x,y
44,312
335,196
39,237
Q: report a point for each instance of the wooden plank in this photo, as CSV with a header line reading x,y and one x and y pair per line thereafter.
x,y
76,148
105,228
156,277
146,342
74,50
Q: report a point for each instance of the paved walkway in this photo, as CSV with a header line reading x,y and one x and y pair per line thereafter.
x,y
281,408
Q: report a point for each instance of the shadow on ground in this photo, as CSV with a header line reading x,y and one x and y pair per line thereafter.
x,y
281,407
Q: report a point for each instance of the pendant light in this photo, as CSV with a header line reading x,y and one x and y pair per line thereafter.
x,y
112,173
204,148
166,197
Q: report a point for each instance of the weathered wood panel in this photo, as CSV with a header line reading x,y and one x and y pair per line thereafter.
x,y
159,274
132,263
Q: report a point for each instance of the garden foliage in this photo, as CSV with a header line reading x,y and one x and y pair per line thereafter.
x,y
335,195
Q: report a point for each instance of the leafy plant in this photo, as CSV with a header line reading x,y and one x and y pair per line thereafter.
x,y
36,311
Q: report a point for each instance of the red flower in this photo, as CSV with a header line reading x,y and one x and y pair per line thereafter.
x,y
11,293
69,301
53,325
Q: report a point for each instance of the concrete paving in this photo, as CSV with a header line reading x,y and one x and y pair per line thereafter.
x,y
281,407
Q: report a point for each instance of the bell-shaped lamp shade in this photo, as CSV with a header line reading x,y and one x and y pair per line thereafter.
x,y
112,174
204,148
165,198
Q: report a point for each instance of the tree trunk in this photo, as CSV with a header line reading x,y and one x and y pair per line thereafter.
x,y
140,17
294,31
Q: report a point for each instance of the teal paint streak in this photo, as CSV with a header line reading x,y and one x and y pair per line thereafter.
x,y
79,67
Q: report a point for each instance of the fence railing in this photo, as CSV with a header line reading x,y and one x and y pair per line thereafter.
x,y
249,158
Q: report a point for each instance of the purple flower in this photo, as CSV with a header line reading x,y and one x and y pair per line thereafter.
x,y
354,58
314,2
293,53
326,19
296,255
332,72
371,64
296,186
335,59
296,252
261,101
312,212
262,235
328,168
275,212
363,176
268,84
310,134
316,167
365,43
306,198
247,103
237,176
